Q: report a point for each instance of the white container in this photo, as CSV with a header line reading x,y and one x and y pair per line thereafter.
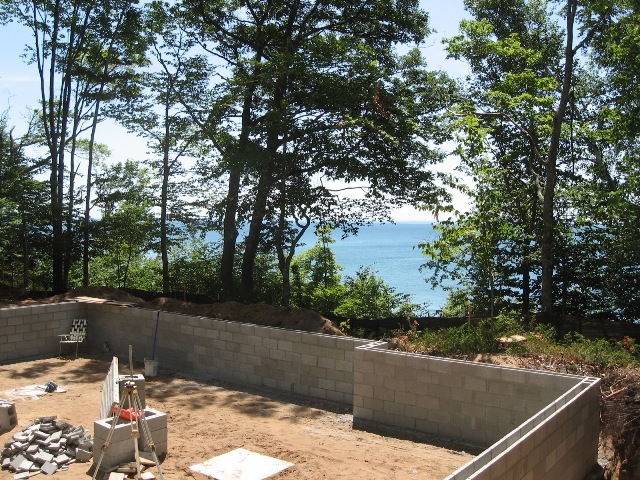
x,y
150,367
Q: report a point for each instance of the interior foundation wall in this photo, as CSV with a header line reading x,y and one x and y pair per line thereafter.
x,y
32,332
476,402
558,442
315,365
540,424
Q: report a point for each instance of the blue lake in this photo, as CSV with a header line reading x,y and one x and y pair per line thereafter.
x,y
392,252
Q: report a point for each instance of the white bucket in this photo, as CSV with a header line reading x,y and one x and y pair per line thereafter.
x,y
150,367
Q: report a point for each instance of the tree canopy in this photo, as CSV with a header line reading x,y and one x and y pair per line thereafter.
x,y
259,116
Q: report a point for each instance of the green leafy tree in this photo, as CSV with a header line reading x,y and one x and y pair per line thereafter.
x,y
156,114
368,296
316,276
306,90
24,242
523,71
73,48
127,227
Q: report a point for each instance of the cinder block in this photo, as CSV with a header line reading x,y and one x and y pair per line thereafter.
x,y
121,448
8,416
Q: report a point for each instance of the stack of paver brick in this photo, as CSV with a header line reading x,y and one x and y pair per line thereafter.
x,y
46,446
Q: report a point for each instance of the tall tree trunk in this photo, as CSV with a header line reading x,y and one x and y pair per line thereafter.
x,y
548,217
265,183
230,233
86,228
25,251
164,198
230,230
253,237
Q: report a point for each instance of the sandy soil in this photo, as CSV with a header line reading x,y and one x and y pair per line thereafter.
x,y
207,419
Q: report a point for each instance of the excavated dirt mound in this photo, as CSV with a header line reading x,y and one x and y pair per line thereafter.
x,y
620,408
258,314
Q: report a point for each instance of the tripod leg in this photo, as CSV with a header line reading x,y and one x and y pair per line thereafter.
x,y
109,435
147,434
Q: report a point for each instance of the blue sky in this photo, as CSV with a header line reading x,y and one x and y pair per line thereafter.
x,y
19,85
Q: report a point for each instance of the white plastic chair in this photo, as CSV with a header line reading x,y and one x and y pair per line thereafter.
x,y
77,334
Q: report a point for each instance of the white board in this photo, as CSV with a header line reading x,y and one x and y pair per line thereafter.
x,y
241,464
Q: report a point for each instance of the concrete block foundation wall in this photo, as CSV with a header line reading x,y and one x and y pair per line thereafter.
x,y
314,365
539,423
558,442
32,332
474,402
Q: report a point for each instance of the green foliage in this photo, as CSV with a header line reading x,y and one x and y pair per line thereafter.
x,y
573,354
25,251
368,296
576,354
316,276
194,268
466,339
457,303
317,285
127,227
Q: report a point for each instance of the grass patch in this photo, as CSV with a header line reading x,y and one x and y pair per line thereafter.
x,y
574,353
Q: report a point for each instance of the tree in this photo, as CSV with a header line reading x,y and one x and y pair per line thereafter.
x,y
307,89
156,114
316,275
23,213
65,36
127,228
117,47
523,66
368,296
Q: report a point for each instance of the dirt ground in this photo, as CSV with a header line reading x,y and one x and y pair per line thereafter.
x,y
207,419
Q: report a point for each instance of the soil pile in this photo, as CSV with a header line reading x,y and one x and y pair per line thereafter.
x,y
620,407
257,314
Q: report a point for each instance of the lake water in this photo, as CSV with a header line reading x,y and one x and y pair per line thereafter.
x,y
392,252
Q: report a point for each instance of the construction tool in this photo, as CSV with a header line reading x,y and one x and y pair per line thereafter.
x,y
135,415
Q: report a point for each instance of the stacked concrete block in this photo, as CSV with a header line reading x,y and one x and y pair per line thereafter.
x,y
45,446
561,441
121,449
110,390
157,423
8,416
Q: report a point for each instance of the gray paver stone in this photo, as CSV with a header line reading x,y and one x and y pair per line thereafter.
x,y
15,463
25,465
61,459
83,455
44,457
49,468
